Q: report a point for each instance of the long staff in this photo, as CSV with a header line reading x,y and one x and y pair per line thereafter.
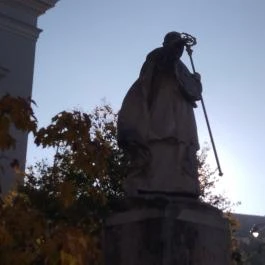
x,y
190,41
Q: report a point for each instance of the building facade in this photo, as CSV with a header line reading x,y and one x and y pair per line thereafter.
x,y
18,36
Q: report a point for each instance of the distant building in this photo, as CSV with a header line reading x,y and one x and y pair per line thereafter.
x,y
18,36
253,249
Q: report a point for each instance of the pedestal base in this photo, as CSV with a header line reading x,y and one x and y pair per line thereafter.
x,y
184,232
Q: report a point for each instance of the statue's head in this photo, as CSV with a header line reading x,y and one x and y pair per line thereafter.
x,y
174,42
172,36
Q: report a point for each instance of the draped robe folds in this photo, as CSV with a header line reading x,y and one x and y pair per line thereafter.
x,y
157,128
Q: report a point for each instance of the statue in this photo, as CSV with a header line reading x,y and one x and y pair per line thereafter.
x,y
156,125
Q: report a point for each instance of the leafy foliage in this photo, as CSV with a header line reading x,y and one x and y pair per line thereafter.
x,y
56,216
208,181
15,112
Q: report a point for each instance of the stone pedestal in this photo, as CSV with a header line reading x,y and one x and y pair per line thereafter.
x,y
182,232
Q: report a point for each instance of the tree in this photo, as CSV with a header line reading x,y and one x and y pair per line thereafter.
x,y
208,180
56,216
15,113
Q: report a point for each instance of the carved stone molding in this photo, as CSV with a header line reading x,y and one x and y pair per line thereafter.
x,y
20,16
36,6
15,26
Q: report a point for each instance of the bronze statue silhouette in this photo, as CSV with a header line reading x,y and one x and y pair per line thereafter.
x,y
156,124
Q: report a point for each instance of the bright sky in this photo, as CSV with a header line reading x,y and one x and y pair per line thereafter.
x,y
90,50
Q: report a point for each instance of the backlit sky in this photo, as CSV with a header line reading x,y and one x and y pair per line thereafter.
x,y
90,50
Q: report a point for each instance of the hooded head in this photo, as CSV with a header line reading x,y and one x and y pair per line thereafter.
x,y
172,36
174,42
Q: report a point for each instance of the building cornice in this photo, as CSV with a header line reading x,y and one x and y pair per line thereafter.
x,y
38,7
14,26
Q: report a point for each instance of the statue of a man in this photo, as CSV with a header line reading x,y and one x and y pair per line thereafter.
x,y
156,125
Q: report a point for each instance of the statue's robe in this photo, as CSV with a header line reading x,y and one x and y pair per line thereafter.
x,y
157,127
